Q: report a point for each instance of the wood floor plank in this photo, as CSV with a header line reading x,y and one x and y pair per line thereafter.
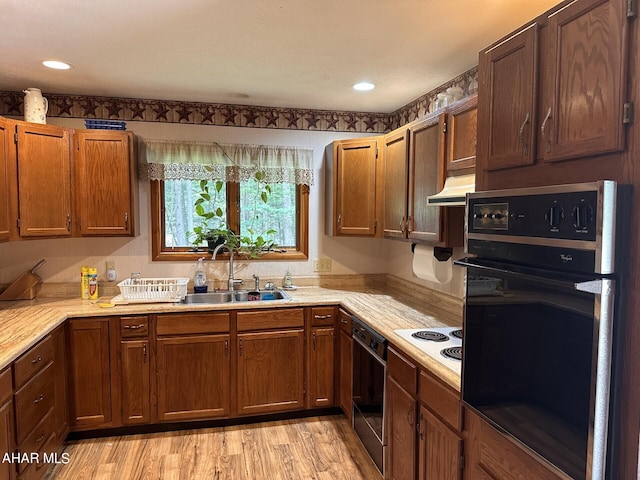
x,y
316,448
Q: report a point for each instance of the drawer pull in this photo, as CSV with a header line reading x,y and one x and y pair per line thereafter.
x,y
134,327
36,360
322,317
39,399
342,320
41,437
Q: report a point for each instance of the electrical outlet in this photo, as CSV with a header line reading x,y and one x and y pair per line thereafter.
x,y
111,271
111,265
322,265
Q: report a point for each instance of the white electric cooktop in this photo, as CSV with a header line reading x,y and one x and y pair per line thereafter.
x,y
443,344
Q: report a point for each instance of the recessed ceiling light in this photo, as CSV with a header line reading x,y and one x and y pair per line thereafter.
x,y
364,86
57,65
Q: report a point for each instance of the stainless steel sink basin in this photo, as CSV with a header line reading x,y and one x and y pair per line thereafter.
x,y
238,296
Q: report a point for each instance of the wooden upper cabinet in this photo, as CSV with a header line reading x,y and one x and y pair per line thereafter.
x,y
462,129
507,101
426,177
396,161
44,180
588,46
105,182
7,179
352,187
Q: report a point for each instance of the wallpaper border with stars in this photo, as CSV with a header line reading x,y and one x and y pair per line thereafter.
x,y
197,113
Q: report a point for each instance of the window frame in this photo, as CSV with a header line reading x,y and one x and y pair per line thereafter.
x,y
159,252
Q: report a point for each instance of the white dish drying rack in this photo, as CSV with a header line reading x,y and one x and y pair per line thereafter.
x,y
151,290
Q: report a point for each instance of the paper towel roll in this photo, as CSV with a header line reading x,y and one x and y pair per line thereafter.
x,y
428,267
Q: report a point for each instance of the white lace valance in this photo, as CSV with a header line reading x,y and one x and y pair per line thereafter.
x,y
181,160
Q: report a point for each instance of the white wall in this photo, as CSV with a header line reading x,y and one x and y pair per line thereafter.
x,y
349,255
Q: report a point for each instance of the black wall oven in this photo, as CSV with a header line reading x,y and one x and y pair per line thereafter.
x,y
539,319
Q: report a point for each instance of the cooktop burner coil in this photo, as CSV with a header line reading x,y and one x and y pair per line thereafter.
x,y
429,335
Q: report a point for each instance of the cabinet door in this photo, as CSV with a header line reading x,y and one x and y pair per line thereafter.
x,y
356,196
462,136
507,96
440,449
7,469
396,161
588,50
270,371
345,365
193,377
426,177
89,372
401,432
322,367
105,180
44,181
134,372
6,181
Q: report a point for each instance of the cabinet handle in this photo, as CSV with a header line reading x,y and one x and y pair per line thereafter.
x,y
41,437
313,336
402,225
410,415
36,360
144,353
126,221
419,427
226,348
525,147
240,348
339,219
134,327
342,320
322,317
543,130
68,222
39,399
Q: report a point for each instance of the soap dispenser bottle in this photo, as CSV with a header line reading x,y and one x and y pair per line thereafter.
x,y
200,278
287,282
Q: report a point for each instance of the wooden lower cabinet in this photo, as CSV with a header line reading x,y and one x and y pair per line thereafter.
x,y
345,364
439,449
7,445
270,371
89,373
193,377
401,432
61,407
135,375
321,378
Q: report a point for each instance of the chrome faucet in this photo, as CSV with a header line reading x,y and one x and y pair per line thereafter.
x,y
232,282
256,278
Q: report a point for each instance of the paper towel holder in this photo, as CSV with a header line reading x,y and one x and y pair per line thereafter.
x,y
442,254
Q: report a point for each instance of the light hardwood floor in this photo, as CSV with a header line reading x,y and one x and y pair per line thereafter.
x,y
321,448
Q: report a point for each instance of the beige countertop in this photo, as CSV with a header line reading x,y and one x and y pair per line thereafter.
x,y
24,323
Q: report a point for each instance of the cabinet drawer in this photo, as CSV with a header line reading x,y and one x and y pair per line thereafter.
x,y
441,400
36,471
33,361
33,401
38,437
344,321
403,371
190,323
323,316
134,327
6,385
268,319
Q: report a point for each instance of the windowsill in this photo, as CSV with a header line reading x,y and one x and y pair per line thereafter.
x,y
189,256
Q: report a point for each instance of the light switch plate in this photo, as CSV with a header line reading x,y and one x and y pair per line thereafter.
x,y
322,265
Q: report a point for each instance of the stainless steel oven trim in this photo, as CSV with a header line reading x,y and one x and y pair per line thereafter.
x,y
545,242
371,351
570,187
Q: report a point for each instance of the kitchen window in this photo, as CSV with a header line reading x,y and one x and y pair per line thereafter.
x,y
236,178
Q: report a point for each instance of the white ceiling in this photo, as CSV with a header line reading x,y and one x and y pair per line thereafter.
x,y
280,53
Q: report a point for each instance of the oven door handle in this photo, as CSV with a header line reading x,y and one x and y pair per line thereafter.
x,y
583,283
370,351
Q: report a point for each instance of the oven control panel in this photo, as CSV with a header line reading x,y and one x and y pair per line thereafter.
x,y
571,216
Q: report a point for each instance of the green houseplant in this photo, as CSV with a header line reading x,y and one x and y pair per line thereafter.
x,y
213,228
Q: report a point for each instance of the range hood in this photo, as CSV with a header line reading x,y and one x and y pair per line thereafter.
x,y
454,192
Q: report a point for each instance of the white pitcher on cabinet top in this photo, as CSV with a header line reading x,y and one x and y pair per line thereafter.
x,y
35,106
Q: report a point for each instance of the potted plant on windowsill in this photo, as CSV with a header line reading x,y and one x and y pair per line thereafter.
x,y
214,230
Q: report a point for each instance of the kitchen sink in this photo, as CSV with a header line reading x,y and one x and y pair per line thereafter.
x,y
238,296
